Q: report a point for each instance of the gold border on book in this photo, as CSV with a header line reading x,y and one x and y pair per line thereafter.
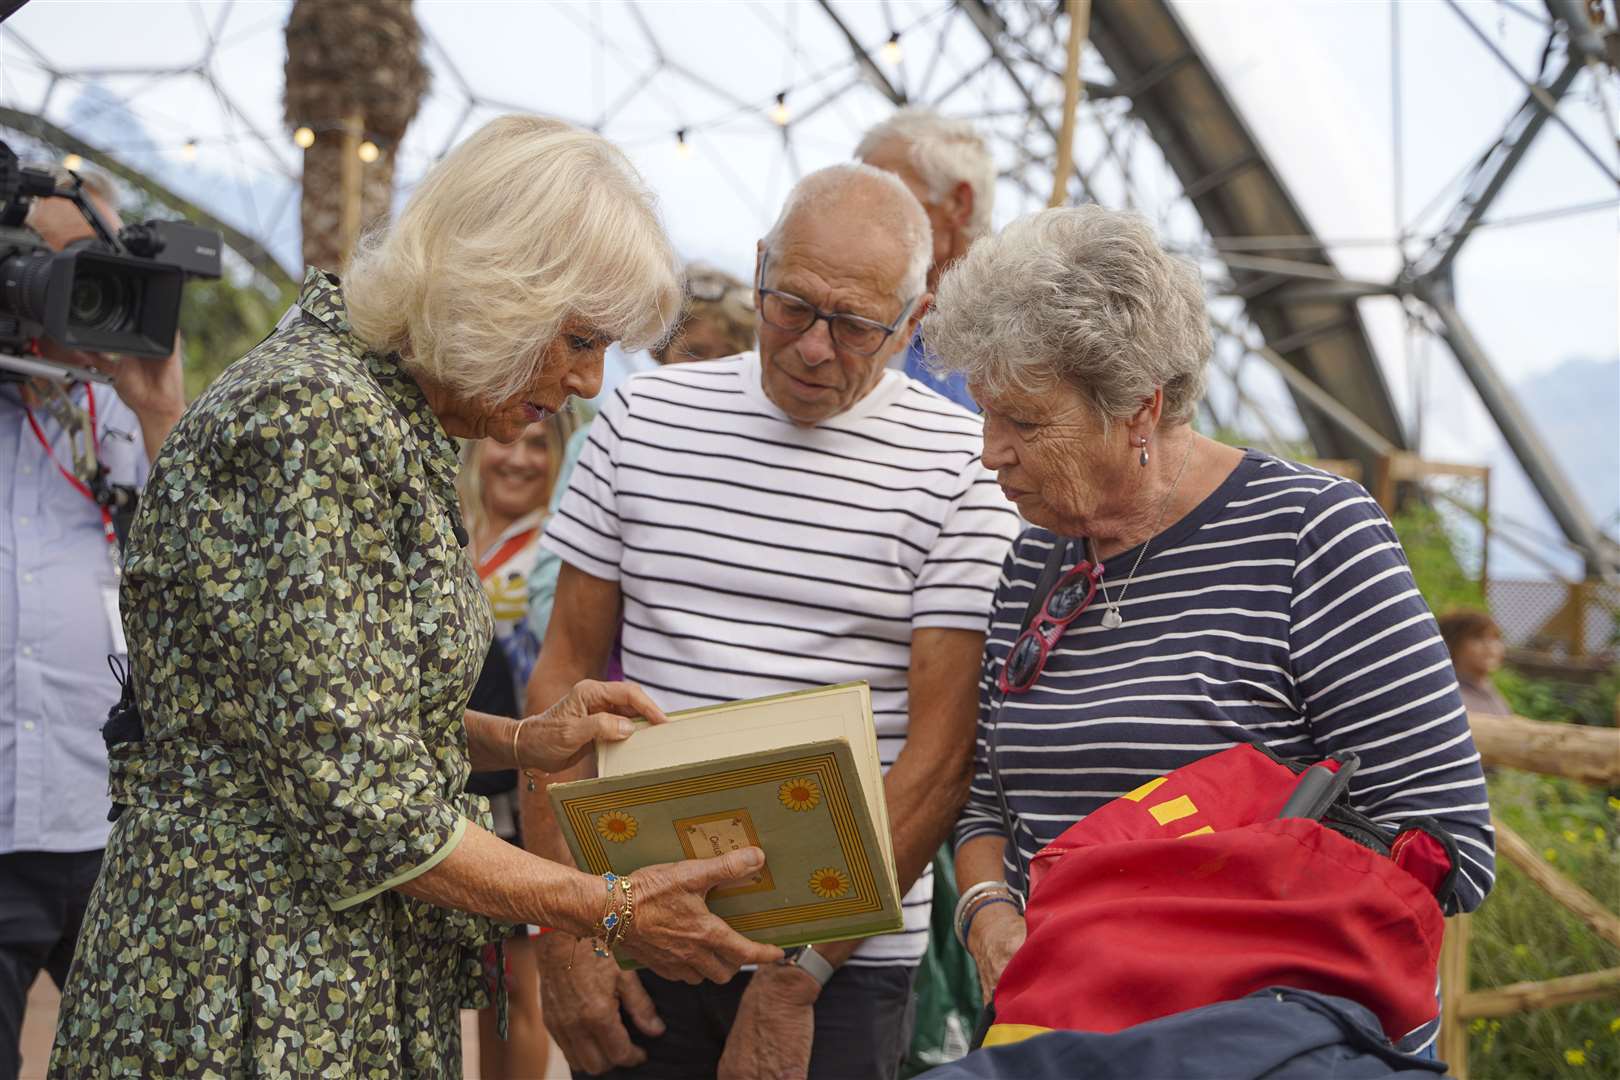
x,y
825,766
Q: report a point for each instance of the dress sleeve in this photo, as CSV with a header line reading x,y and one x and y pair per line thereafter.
x,y
1373,676
584,532
310,599
957,581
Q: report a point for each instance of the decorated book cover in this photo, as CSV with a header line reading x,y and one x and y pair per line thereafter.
x,y
813,802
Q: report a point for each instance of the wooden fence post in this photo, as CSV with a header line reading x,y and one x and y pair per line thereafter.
x,y
1453,1047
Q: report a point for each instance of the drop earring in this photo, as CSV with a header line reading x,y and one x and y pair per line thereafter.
x,y
1143,459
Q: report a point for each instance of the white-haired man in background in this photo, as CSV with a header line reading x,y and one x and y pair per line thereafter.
x,y
769,522
948,167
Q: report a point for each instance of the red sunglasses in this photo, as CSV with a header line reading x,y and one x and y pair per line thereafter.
x,y
1071,596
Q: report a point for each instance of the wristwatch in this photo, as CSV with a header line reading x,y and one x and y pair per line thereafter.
x,y
810,962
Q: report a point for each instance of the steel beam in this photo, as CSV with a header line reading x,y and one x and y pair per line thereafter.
x,y
1240,195
1303,386
879,80
1493,174
1539,464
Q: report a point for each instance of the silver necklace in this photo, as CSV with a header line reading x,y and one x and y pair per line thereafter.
x,y
1112,619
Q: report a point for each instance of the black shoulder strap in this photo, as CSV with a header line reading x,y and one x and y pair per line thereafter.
x,y
1049,578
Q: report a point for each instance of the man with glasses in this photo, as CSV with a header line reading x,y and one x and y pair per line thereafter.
x,y
786,518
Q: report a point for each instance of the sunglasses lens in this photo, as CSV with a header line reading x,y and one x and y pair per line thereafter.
x,y
1066,601
1021,664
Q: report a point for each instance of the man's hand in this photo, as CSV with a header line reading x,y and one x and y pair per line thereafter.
x,y
154,390
581,995
775,1026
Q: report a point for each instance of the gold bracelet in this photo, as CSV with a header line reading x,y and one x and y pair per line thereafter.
x,y
628,915
517,731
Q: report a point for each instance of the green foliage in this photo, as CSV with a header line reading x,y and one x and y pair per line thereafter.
x,y
1431,549
1521,935
219,322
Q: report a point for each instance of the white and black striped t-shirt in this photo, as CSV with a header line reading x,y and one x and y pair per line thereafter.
x,y
1280,611
756,557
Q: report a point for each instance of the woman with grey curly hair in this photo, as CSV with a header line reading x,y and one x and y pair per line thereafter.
x,y
1172,596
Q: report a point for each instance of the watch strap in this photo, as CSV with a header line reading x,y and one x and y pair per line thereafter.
x,y
813,964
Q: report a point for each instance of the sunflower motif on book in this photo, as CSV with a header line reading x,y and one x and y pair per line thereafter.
x,y
800,794
829,882
616,826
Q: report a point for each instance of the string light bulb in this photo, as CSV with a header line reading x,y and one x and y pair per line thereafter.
x,y
891,49
304,137
779,112
188,151
683,149
368,151
73,163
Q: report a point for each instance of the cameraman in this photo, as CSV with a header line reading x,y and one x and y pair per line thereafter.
x,y
58,624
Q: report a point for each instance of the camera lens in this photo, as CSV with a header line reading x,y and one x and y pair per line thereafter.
x,y
99,301
23,279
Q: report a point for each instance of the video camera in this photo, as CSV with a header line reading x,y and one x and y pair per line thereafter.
x,y
106,293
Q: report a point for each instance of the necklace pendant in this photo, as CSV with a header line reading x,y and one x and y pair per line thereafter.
x,y
1112,619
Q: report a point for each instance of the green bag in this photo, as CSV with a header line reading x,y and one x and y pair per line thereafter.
x,y
947,986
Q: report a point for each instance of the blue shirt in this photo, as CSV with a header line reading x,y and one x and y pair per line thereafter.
x,y
950,385
55,688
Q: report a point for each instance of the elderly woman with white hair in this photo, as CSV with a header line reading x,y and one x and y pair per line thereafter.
x,y
948,167
298,882
1172,596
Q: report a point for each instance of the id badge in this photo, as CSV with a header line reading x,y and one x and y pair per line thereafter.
x,y
115,623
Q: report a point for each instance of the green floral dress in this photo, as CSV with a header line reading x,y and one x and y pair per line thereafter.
x,y
304,632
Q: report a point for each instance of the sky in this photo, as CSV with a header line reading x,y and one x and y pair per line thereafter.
x,y
1314,79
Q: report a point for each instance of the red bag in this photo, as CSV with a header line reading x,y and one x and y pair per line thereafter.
x,y
1190,890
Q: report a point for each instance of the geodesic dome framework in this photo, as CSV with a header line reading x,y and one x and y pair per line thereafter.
x,y
725,105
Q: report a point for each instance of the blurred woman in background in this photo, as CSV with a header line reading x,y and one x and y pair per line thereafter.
x,y
505,497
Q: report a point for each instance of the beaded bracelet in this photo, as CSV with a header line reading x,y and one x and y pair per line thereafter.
x,y
602,943
969,898
967,925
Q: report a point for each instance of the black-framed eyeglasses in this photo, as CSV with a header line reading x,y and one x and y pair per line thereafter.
x,y
795,314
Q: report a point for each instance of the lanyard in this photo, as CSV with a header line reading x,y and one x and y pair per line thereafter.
x,y
499,556
79,485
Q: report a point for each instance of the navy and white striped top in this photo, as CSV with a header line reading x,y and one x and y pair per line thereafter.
x,y
1280,611
756,556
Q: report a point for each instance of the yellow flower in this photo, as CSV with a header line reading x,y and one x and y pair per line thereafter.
x,y
616,826
1521,951
829,882
1571,835
1551,854
800,794
1598,834
1614,803
1575,1057
1477,1025
1614,1026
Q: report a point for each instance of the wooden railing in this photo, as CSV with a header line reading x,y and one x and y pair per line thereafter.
x,y
1587,754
